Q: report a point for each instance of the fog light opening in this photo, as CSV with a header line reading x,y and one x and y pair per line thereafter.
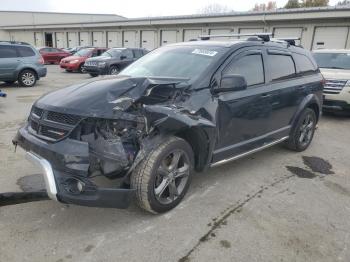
x,y
74,186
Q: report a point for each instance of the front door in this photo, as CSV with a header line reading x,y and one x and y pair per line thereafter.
x,y
243,116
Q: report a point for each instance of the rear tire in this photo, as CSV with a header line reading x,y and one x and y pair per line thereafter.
x,y
93,75
27,78
303,131
162,179
114,70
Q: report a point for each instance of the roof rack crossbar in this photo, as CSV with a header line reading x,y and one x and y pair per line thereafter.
x,y
288,40
263,36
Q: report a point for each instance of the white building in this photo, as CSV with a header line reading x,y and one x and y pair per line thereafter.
x,y
326,27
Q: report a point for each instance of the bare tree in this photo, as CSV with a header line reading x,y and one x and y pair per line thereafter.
x,y
270,6
214,9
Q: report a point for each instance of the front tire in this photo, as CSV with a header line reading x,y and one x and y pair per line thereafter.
x,y
82,69
93,75
303,132
27,78
162,179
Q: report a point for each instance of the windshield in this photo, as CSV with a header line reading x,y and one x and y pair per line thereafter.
x,y
84,52
175,61
112,53
333,60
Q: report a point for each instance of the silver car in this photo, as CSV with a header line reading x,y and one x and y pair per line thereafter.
x,y
20,62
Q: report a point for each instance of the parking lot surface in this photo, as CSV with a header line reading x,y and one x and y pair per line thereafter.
x,y
275,205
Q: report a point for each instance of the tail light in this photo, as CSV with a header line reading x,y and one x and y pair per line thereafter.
x,y
41,60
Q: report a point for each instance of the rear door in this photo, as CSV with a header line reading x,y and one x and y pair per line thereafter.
x,y
243,115
282,82
127,56
9,61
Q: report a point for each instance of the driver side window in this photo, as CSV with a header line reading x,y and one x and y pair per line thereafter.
x,y
251,67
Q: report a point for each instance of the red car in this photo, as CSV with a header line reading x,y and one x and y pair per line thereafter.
x,y
52,55
76,61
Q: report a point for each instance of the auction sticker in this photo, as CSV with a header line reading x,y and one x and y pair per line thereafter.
x,y
204,52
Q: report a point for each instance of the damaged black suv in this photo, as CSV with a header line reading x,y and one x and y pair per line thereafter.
x,y
180,108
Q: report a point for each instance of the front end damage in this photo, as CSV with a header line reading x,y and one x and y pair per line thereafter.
x,y
103,129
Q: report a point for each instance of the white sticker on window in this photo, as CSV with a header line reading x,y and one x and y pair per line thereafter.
x,y
204,52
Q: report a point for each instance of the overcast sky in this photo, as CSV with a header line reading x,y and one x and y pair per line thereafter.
x,y
130,8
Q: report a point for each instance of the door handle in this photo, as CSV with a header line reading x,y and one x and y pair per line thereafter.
x,y
265,95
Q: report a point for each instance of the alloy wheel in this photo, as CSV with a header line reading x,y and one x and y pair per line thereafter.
x,y
306,130
172,176
28,78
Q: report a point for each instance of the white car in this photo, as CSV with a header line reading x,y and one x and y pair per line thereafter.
x,y
335,67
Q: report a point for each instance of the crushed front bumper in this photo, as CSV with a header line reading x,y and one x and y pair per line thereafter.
x,y
64,165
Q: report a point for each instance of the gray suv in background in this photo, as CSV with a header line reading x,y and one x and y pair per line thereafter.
x,y
20,62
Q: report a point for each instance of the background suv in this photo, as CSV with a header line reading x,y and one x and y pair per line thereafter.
x,y
20,62
76,62
335,67
113,60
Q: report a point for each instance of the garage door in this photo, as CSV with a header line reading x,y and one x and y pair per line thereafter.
x,y
280,32
192,34
250,31
39,40
148,40
330,37
168,37
84,38
97,39
72,39
129,39
114,39
60,39
220,32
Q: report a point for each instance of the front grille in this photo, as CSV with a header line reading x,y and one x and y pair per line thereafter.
x,y
334,86
63,118
50,125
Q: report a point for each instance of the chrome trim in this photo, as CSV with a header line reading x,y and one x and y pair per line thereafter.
x,y
49,178
249,152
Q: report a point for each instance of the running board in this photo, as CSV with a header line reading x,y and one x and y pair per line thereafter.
x,y
224,161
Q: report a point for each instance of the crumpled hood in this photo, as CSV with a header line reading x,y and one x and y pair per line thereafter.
x,y
101,98
338,74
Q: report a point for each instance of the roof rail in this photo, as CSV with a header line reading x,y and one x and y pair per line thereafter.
x,y
14,42
288,40
263,36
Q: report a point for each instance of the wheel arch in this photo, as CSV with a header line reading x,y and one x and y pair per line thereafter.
x,y
311,101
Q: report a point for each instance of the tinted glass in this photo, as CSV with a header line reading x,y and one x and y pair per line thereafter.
x,y
84,52
112,53
304,63
25,51
128,53
333,60
281,66
185,62
7,51
137,53
251,67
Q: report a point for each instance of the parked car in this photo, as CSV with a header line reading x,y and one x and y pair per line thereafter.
x,y
335,67
76,61
73,50
20,62
53,55
184,106
113,61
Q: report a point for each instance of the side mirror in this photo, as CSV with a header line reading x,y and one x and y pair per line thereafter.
x,y
231,83
122,57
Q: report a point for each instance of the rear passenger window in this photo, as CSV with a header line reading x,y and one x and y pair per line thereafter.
x,y
251,67
128,53
137,53
25,51
7,51
304,63
281,66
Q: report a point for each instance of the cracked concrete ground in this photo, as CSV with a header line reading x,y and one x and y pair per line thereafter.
x,y
275,205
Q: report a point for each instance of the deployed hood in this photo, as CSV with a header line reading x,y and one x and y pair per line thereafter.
x,y
108,97
339,74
